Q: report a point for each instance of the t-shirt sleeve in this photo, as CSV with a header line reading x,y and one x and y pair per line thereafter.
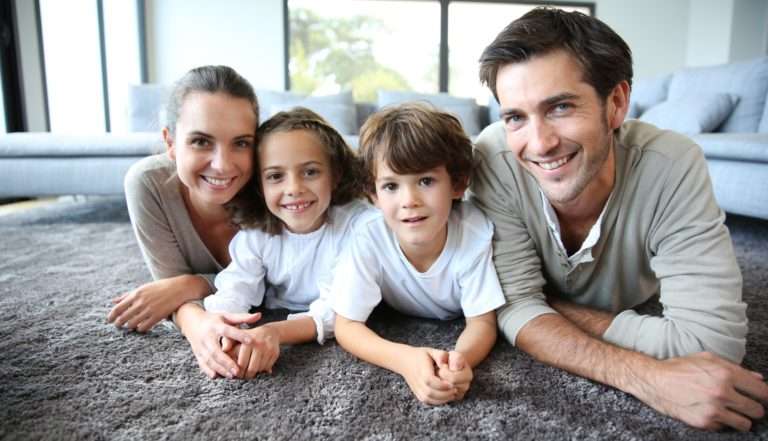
x,y
159,246
479,284
693,257
356,278
240,285
518,266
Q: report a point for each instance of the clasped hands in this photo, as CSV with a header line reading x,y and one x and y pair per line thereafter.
x,y
258,356
436,376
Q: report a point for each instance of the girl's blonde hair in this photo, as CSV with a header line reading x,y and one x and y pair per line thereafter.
x,y
248,207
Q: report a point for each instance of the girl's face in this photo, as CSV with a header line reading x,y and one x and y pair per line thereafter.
x,y
213,146
296,178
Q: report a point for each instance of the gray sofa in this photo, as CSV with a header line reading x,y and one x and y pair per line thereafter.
x,y
722,107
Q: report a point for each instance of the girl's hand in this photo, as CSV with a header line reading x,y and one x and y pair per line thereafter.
x,y
419,370
205,335
457,372
145,306
260,355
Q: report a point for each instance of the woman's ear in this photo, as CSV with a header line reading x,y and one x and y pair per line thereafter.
x,y
170,148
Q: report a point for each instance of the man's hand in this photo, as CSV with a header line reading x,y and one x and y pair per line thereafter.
x,y
705,391
419,370
457,372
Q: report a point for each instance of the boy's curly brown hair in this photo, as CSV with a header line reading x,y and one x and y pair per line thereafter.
x,y
412,138
249,209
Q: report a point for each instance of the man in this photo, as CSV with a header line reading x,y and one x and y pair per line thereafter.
x,y
595,216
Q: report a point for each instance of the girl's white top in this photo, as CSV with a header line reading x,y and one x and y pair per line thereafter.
x,y
291,271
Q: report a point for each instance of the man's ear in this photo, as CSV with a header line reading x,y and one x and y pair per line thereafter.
x,y
617,105
170,148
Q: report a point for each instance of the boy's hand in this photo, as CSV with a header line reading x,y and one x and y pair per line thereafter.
x,y
259,356
419,370
456,372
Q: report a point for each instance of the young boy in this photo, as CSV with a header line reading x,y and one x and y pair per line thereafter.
x,y
425,254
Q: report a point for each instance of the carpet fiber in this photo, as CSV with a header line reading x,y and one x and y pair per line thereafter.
x,y
66,374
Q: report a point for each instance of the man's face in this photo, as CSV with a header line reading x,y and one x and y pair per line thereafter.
x,y
558,127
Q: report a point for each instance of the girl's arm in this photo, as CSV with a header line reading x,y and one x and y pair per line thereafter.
x,y
417,365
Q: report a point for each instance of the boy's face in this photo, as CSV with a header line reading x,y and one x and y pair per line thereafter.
x,y
416,207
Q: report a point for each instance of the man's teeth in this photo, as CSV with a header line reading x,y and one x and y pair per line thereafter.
x,y
216,181
554,164
299,206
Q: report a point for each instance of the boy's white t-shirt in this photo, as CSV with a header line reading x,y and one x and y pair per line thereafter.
x,y
291,271
462,281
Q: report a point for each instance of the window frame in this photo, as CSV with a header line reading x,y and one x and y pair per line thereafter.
x,y
444,66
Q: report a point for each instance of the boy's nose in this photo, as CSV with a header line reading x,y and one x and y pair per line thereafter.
x,y
410,198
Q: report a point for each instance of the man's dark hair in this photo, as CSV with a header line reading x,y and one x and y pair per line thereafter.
x,y
605,58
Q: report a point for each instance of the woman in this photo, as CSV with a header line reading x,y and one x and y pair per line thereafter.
x,y
177,202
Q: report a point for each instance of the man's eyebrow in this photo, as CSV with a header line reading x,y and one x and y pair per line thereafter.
x,y
566,96
547,102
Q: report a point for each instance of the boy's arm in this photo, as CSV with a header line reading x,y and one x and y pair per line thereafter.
x,y
478,338
416,365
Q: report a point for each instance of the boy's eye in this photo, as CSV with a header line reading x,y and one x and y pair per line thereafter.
x,y
426,181
311,172
389,186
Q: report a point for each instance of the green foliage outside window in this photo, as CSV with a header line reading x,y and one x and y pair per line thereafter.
x,y
338,52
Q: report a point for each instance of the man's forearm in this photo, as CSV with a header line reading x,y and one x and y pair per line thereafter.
x,y
554,340
589,320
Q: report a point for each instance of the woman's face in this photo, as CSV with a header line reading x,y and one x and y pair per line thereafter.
x,y
213,146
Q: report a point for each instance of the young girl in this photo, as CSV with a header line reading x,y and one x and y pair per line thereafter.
x,y
295,217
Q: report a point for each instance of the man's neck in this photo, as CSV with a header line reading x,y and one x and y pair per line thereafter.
x,y
577,217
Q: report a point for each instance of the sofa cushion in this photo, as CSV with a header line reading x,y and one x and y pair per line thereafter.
x,y
466,109
46,144
748,80
749,147
691,114
341,116
338,109
647,92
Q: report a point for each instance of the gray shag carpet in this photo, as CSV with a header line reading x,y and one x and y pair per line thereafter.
x,y
66,374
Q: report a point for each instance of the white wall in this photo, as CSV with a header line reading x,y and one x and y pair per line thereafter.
x,y
655,30
246,35
749,29
709,31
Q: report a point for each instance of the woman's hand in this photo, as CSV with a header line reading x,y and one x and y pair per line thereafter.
x,y
145,306
205,332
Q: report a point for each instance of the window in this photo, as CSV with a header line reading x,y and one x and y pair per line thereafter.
x,y
91,55
363,46
367,45
467,40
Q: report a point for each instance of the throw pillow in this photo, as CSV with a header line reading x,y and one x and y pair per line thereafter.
x,y
337,109
466,109
341,116
692,114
